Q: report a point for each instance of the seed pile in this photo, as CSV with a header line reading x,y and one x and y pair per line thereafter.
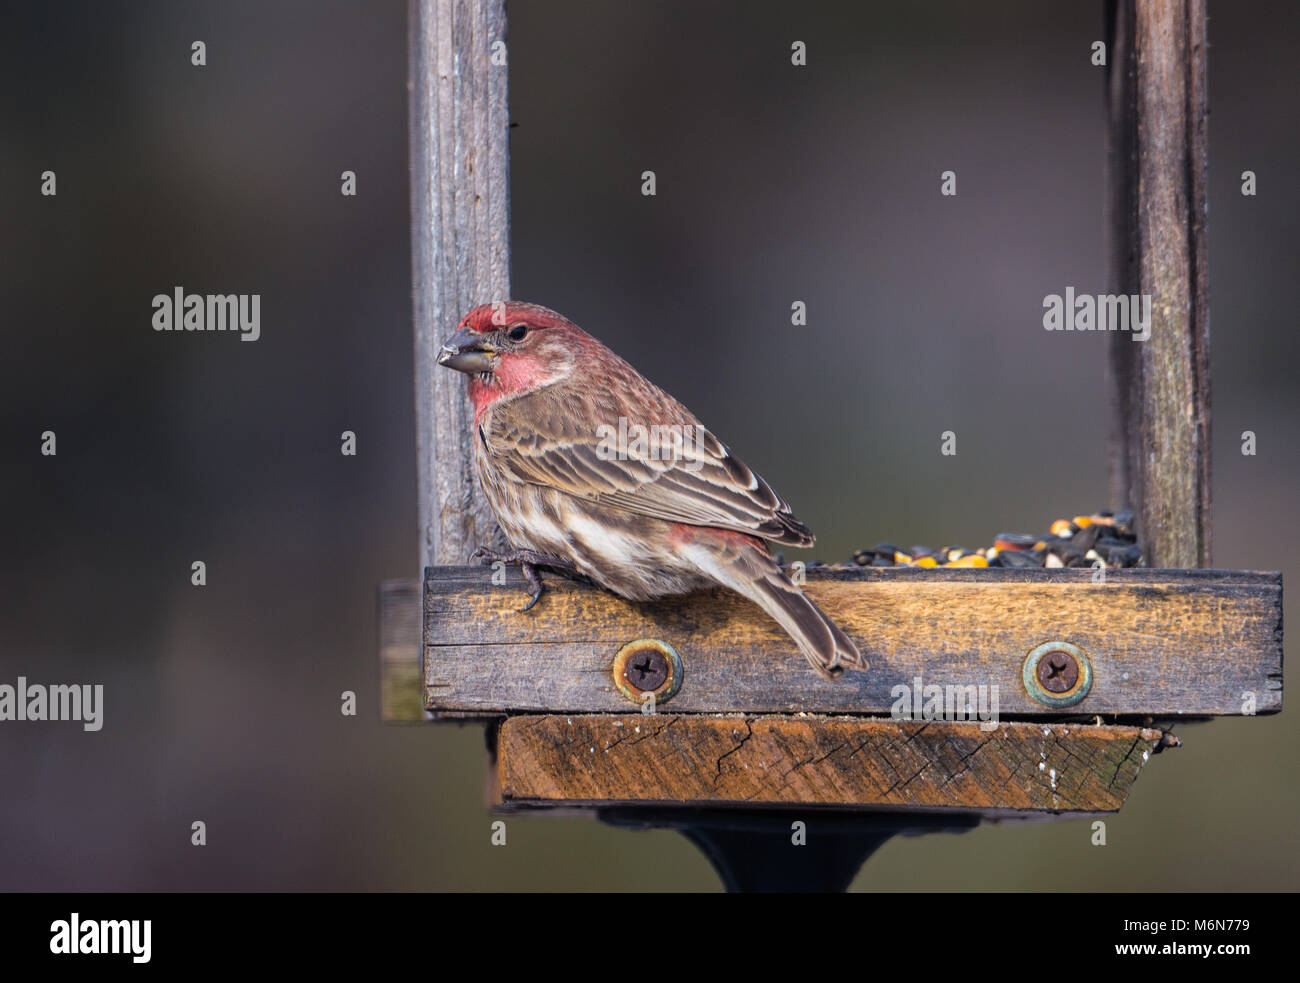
x,y
1103,538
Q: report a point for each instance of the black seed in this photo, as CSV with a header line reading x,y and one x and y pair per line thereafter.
x,y
1086,537
1015,560
1125,556
1017,539
1067,553
1105,544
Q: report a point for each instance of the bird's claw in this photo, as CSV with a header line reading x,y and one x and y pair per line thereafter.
x,y
528,563
535,582
536,596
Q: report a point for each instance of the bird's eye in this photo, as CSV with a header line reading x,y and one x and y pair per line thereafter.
x,y
518,331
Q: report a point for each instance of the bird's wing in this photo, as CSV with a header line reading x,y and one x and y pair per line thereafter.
x,y
666,465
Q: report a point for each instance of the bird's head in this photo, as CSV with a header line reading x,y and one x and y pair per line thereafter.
x,y
510,348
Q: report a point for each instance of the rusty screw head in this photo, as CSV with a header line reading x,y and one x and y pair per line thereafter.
x,y
1058,671
647,666
1057,674
647,670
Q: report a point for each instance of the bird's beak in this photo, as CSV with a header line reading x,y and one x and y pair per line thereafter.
x,y
467,352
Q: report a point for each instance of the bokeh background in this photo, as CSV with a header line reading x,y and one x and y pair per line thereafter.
x,y
775,184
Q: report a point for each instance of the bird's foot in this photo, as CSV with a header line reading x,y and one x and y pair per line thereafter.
x,y
528,561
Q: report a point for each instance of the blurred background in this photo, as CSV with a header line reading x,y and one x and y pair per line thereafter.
x,y
775,184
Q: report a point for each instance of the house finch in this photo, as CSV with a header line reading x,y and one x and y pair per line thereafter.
x,y
592,469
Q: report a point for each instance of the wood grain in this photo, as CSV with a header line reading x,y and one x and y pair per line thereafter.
x,y
460,247
659,759
1161,643
400,679
1160,388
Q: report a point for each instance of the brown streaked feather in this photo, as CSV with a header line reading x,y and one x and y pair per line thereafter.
x,y
748,568
538,438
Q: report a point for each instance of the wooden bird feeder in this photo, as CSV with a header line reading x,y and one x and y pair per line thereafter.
x,y
743,736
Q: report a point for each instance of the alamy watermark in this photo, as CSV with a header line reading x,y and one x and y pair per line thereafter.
x,y
102,936
36,701
179,311
932,701
1104,312
656,442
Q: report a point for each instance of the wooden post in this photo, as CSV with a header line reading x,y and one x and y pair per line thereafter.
x,y
460,245
1160,387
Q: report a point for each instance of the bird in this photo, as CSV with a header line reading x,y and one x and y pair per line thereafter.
x,y
592,470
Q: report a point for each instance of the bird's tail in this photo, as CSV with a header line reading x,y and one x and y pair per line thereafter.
x,y
751,570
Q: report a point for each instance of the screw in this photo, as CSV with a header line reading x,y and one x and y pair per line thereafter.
x,y
1057,674
647,670
1058,671
647,666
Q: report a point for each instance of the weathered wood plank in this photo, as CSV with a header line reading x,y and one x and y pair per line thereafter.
x,y
400,675
1163,643
1160,387
656,759
460,246
1122,245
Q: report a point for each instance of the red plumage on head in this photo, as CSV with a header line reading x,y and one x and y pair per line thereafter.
x,y
487,318
555,340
